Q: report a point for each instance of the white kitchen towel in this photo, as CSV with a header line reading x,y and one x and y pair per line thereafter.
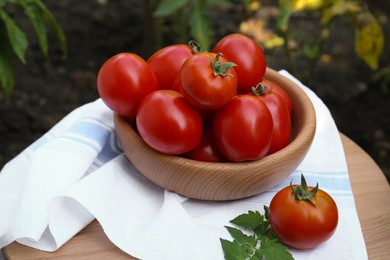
x,y
77,172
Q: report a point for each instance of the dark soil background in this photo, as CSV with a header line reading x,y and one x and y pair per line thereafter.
x,y
47,90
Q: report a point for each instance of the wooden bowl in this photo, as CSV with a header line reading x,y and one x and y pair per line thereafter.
x,y
224,181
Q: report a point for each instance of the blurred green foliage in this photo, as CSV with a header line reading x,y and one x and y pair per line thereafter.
x,y
194,16
191,16
14,42
369,36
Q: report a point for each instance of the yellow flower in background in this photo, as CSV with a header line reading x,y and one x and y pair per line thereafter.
x,y
307,5
273,42
254,5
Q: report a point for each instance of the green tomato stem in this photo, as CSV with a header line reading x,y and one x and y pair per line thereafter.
x,y
260,89
219,68
301,192
196,48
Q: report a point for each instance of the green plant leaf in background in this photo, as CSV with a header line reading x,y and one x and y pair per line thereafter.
x,y
369,40
6,75
168,7
16,36
33,12
47,15
285,12
14,42
201,28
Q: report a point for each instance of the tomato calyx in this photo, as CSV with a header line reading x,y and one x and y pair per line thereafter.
x,y
260,89
301,192
195,46
219,68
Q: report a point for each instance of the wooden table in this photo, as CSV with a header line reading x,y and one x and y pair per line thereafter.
x,y
370,188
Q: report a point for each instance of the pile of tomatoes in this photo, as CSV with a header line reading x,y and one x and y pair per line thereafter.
x,y
208,106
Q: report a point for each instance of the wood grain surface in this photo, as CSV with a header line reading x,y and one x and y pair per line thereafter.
x,y
370,188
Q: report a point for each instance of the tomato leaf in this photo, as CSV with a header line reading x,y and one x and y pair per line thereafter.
x,y
246,246
272,249
242,238
232,250
168,7
258,255
249,220
16,36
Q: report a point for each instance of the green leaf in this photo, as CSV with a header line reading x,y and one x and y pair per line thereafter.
x,y
272,250
6,75
263,229
53,22
220,3
257,255
246,246
16,36
249,220
168,7
311,52
233,250
201,28
369,40
285,12
34,13
242,238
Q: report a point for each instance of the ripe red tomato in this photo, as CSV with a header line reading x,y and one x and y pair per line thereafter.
x,y
206,150
167,123
281,132
207,81
248,56
243,128
123,81
166,63
176,86
297,221
269,84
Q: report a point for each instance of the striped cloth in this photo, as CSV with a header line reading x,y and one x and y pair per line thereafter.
x,y
77,172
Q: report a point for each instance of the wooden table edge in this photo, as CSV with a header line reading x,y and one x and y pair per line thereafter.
x,y
372,206
371,192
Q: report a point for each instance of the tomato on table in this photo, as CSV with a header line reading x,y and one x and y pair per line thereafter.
x,y
243,128
249,57
167,123
303,217
208,80
123,81
166,63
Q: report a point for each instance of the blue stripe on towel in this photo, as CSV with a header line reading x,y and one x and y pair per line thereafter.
x,y
91,130
335,181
